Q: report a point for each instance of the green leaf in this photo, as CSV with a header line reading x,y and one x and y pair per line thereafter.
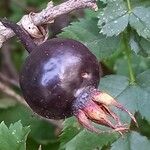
x,y
143,126
132,141
17,12
104,1
91,141
70,130
114,18
134,44
140,21
114,84
145,45
31,144
73,138
51,146
133,97
135,3
139,45
19,112
144,80
139,65
13,137
88,13
87,32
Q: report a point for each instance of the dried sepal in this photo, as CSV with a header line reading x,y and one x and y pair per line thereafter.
x,y
92,105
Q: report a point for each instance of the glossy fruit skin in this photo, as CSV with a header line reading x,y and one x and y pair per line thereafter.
x,y
53,76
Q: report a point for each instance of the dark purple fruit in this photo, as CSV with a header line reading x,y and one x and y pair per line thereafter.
x,y
59,79
55,73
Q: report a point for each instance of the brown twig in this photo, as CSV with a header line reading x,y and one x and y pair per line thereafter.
x,y
49,14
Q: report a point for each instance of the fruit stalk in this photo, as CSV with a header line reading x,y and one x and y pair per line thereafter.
x,y
23,36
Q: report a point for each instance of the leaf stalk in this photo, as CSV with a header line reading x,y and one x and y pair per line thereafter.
x,y
129,5
128,55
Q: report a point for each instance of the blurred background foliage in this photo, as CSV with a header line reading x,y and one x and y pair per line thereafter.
x,y
122,47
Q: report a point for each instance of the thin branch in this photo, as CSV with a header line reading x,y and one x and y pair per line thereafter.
x,y
8,80
48,14
7,90
7,61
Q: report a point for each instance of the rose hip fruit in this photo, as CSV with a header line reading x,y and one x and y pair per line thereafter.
x,y
59,79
